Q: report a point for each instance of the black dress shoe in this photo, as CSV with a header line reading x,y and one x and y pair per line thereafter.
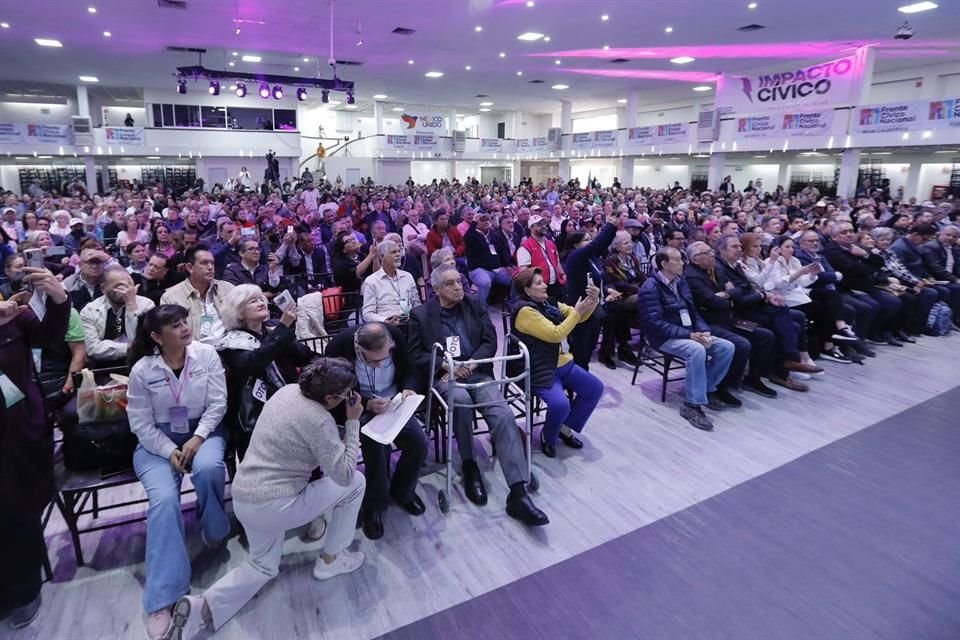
x,y
521,507
571,441
549,450
903,337
607,361
727,398
713,402
373,525
415,507
473,483
757,386
627,357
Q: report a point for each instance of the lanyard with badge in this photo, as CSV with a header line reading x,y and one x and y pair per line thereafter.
x,y
179,414
11,392
206,320
401,300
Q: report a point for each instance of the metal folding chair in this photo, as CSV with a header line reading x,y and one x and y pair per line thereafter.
x,y
520,383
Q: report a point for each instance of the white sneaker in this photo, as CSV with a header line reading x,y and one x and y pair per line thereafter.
x,y
318,529
158,625
187,618
346,562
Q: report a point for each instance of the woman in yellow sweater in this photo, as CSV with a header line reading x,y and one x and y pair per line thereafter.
x,y
543,327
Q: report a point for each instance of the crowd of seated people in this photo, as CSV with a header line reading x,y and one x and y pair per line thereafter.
x,y
208,297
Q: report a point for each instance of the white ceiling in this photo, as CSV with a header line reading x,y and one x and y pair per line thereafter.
x,y
445,40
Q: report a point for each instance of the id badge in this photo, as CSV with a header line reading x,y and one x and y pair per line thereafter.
x,y
206,325
260,390
685,318
37,353
493,249
11,392
453,346
404,308
179,420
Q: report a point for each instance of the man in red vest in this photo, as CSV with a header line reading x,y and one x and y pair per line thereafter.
x,y
539,252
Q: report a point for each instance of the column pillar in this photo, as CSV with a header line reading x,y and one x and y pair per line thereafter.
x,y
715,171
453,121
90,172
378,116
83,101
783,176
849,170
566,128
913,181
629,121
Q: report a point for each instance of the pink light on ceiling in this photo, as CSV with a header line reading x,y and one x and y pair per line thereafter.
x,y
779,50
649,74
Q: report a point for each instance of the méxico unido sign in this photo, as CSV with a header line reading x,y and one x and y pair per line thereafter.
x,y
411,122
832,83
915,115
792,124
670,133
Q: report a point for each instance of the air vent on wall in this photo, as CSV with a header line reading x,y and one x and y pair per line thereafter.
x,y
186,50
619,60
403,31
172,4
481,95
349,63
536,82
751,27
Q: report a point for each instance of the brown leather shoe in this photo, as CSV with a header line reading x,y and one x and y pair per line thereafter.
x,y
801,367
789,383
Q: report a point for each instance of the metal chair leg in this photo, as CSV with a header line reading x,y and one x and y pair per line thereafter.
x,y
66,502
667,360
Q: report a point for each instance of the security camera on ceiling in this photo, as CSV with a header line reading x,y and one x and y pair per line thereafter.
x,y
904,32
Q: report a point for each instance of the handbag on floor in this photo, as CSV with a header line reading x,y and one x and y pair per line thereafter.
x,y
101,438
939,320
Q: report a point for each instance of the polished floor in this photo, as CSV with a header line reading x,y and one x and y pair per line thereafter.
x,y
642,463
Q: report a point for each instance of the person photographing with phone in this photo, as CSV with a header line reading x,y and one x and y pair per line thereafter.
x,y
176,399
389,293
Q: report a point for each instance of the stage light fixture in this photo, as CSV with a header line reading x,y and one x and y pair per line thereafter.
x,y
241,90
264,90
301,94
325,96
181,86
214,88
350,98
277,92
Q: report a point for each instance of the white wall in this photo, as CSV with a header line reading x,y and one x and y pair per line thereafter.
x,y
894,91
594,123
601,169
659,176
337,166
10,178
741,173
424,171
393,171
665,116
951,84
487,124
28,113
113,116
932,174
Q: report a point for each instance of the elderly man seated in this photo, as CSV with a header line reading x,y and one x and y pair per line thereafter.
x,y
671,323
462,324
488,257
110,321
389,293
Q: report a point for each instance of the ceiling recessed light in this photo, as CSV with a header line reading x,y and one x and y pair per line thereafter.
x,y
917,7
236,53
409,61
153,157
434,74
306,59
47,42
486,104
249,58
606,47
530,3
296,68
107,34
232,63
89,79
560,87
468,67
484,109
503,55
478,28
759,156
91,9
556,62
348,106
379,96
604,17
669,29
622,101
530,36
702,88
546,38
752,5
682,60
397,109
519,73
4,25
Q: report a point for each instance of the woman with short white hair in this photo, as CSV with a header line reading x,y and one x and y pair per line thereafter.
x,y
259,355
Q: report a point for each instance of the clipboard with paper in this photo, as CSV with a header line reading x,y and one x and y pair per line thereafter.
x,y
384,428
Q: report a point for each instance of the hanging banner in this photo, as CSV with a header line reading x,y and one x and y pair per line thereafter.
x,y
581,140
399,142
531,145
890,117
493,145
132,136
421,122
425,142
671,133
832,83
944,114
794,124
49,133
605,139
11,133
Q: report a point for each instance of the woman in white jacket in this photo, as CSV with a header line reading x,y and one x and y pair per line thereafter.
x,y
783,274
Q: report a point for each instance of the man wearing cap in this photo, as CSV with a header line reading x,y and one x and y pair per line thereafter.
x,y
77,236
540,252
642,246
11,225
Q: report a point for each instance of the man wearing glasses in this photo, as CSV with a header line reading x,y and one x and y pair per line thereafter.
x,y
250,271
379,354
84,285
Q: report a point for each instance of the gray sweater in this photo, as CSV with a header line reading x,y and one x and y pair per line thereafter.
x,y
294,436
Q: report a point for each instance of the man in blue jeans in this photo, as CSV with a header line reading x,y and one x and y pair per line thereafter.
x,y
672,325
488,257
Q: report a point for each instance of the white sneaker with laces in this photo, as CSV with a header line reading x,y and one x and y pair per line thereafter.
x,y
345,562
187,618
158,625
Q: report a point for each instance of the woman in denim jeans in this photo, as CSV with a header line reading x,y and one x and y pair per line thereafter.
x,y
176,400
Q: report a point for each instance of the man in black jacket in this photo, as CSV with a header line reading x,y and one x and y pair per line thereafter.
x,y
941,257
488,257
753,343
250,271
379,354
877,310
462,324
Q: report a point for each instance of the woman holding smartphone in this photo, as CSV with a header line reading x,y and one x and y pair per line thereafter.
x,y
176,400
273,493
